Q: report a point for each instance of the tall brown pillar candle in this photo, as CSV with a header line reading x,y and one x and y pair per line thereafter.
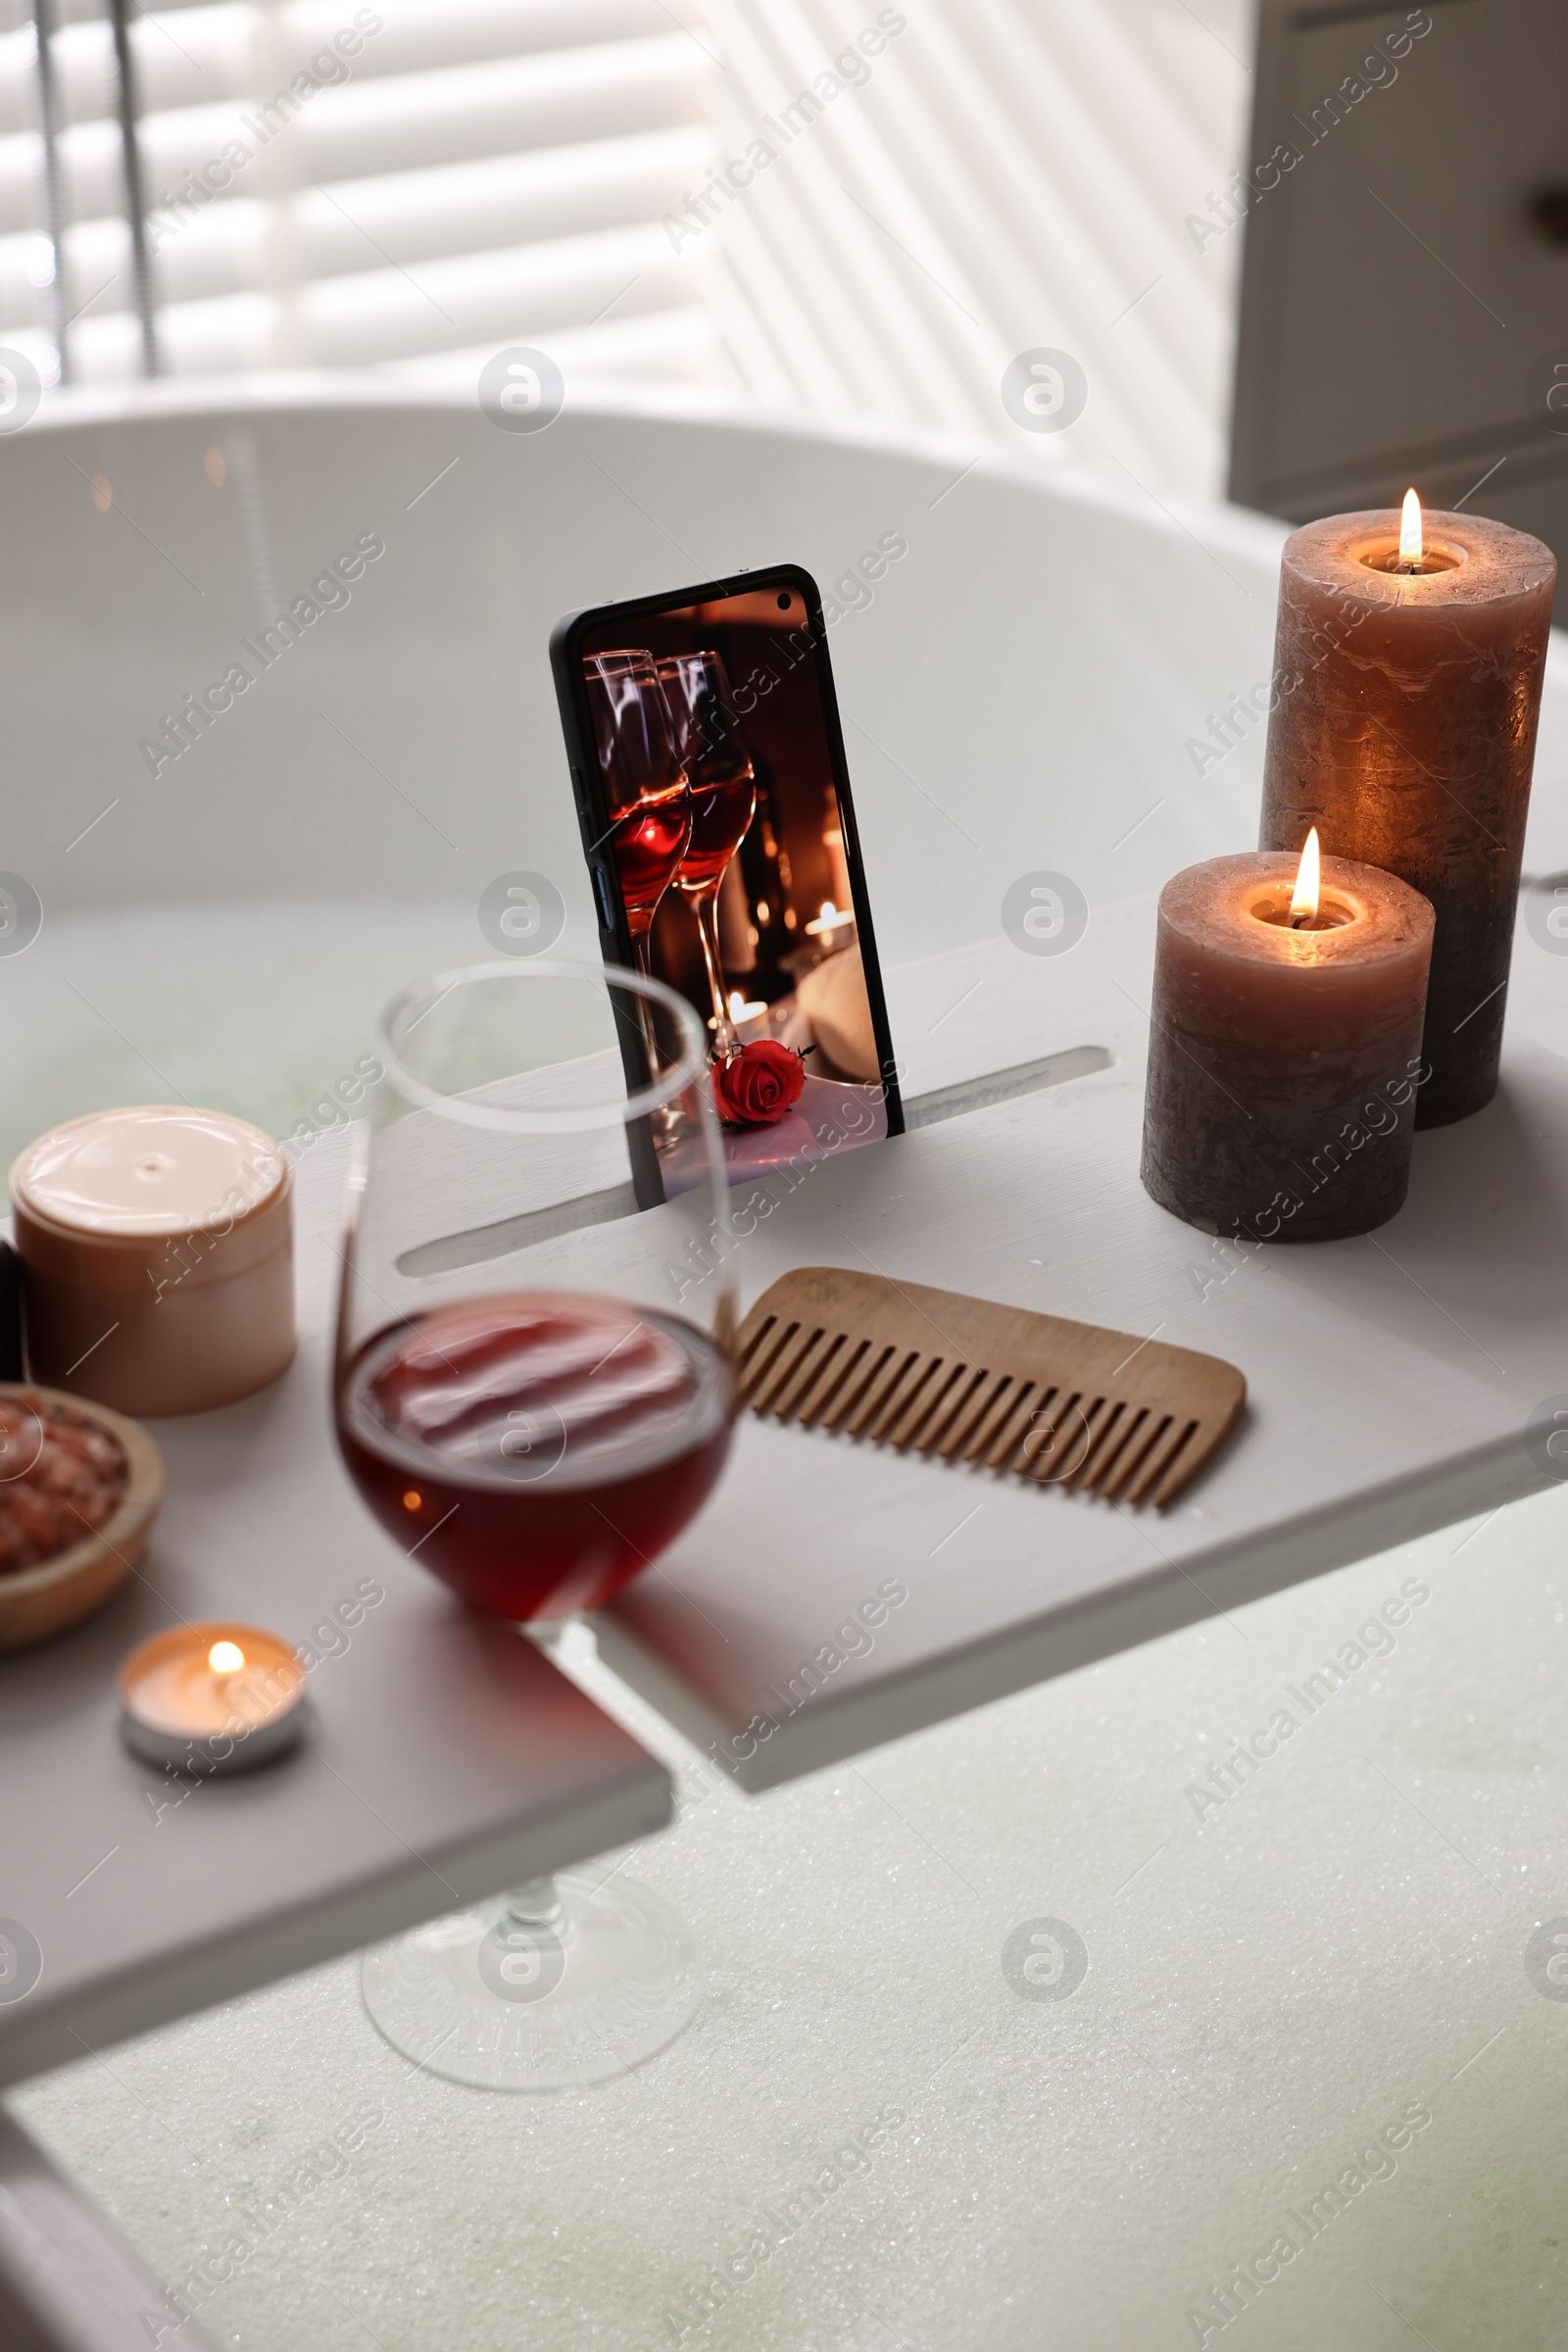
x,y
1404,729
1284,1046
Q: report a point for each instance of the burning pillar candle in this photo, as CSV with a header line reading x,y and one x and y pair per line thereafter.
x,y
1407,672
1285,1046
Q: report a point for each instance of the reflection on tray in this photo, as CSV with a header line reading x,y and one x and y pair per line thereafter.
x,y
830,1116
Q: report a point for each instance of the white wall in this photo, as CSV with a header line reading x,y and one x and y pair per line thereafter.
x,y
1003,175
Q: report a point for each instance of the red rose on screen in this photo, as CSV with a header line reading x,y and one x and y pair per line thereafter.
x,y
760,1085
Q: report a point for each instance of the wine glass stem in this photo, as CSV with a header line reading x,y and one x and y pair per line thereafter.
x,y
665,1121
706,909
645,1011
535,1903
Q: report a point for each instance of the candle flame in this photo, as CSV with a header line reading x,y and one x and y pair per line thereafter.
x,y
1412,550
743,1008
225,1658
1305,897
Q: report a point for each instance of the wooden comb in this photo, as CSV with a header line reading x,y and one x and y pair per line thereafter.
x,y
964,1380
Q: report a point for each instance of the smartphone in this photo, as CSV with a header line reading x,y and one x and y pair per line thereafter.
x,y
707,763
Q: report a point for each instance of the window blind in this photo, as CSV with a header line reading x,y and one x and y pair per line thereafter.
x,y
835,204
939,186
409,183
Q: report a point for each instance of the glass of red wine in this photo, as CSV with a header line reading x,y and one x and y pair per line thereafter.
x,y
534,1396
723,784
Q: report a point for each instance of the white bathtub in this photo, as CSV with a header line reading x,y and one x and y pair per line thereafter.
x,y
1022,688
1269,1984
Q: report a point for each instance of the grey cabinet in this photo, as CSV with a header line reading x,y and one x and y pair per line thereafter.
x,y
1404,299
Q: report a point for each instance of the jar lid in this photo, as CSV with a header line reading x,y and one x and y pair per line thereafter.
x,y
146,1171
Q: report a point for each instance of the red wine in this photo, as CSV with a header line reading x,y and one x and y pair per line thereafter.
x,y
649,843
720,814
535,1450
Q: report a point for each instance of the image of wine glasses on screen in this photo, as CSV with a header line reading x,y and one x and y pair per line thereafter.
x,y
722,783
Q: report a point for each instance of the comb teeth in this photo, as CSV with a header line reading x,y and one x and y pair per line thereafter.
x,y
948,1410
852,1366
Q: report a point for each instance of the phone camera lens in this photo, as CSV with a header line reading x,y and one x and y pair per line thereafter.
x,y
783,604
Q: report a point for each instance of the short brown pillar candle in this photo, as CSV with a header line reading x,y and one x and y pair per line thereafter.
x,y
1407,688
1285,1046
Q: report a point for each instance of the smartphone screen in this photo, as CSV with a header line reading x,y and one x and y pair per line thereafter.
x,y
716,810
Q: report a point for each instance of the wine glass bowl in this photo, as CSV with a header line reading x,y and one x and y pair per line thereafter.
x,y
645,781
648,845
533,1424
538,1448
719,775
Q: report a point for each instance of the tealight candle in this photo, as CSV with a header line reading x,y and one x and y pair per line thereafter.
x,y
1285,1046
158,1260
828,922
745,1015
212,1698
1407,672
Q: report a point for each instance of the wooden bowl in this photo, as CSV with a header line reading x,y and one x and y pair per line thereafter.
x,y
35,1602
